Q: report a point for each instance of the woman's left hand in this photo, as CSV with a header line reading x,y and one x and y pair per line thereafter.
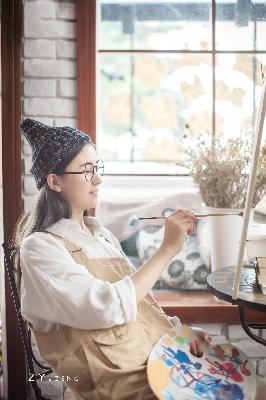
x,y
196,344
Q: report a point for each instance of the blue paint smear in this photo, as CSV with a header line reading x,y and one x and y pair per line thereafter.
x,y
220,391
206,386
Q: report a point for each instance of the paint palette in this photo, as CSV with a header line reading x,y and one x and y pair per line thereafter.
x,y
222,373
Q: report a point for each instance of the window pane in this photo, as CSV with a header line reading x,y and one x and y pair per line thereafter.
x,y
147,102
156,25
238,92
144,167
240,25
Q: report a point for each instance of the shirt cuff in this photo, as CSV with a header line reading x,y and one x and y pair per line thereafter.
x,y
127,293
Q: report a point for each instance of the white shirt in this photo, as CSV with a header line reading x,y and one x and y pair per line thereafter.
x,y
57,290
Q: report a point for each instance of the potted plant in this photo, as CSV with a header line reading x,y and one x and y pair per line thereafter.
x,y
221,170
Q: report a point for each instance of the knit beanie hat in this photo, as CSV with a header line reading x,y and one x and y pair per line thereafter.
x,y
50,146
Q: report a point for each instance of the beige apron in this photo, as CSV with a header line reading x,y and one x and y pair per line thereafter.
x,y
106,363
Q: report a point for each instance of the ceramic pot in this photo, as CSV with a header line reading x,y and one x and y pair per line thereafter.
x,y
224,237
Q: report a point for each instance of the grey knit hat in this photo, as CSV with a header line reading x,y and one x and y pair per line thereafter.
x,y
50,146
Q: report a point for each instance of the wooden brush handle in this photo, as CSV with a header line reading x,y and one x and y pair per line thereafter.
x,y
196,215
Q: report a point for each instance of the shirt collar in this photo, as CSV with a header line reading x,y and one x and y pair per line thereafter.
x,y
92,221
61,226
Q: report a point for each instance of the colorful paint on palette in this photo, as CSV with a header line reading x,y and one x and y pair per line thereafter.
x,y
222,373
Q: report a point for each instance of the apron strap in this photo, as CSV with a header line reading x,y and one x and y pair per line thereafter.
x,y
67,244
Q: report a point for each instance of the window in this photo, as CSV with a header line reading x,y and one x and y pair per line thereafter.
x,y
199,18
169,69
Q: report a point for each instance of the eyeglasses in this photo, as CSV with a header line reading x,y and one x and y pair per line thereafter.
x,y
89,170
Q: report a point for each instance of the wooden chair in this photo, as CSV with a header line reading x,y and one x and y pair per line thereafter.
x,y
24,326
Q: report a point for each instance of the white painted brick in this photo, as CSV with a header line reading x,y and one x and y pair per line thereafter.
x,y
237,332
218,339
29,201
27,164
40,87
29,186
212,329
26,147
66,48
40,48
34,28
50,107
262,367
39,9
251,348
264,333
66,11
66,121
45,120
50,68
67,88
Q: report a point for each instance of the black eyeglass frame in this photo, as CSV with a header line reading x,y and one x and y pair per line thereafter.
x,y
84,171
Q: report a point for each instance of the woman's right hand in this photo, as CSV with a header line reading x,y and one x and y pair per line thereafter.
x,y
177,226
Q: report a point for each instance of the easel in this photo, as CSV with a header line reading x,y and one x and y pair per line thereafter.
x,y
251,188
219,282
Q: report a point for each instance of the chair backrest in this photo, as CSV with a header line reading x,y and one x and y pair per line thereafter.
x,y
24,325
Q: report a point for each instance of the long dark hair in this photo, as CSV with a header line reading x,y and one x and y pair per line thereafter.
x,y
49,207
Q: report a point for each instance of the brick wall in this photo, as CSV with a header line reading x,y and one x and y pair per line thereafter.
x,y
49,95
49,71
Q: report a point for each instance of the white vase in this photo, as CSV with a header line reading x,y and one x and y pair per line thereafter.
x,y
225,234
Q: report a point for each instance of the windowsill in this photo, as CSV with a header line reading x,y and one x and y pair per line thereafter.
x,y
201,307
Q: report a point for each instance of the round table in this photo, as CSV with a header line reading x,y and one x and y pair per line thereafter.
x,y
220,283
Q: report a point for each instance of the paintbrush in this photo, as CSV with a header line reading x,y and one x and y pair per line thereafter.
x,y
201,215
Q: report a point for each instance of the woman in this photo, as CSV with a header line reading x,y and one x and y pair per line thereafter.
x,y
92,314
